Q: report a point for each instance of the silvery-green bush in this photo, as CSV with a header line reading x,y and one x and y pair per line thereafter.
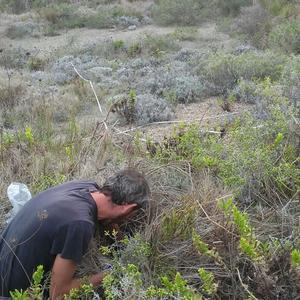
x,y
174,83
62,71
20,30
150,109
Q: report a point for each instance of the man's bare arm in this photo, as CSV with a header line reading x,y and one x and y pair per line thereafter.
x,y
62,278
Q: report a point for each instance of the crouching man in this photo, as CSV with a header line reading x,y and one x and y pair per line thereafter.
x,y
55,227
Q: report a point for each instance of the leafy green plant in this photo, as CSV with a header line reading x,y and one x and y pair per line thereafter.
x,y
118,44
86,292
186,144
47,181
248,243
185,33
204,248
29,135
249,247
228,102
252,151
35,291
295,258
209,286
177,288
36,63
177,223
157,45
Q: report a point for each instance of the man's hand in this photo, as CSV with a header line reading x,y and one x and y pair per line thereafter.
x,y
62,278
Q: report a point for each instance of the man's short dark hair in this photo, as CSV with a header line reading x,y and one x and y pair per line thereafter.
x,y
127,186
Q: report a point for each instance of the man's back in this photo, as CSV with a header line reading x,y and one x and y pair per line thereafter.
x,y
58,221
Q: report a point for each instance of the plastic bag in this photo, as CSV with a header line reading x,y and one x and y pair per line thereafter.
x,y
18,194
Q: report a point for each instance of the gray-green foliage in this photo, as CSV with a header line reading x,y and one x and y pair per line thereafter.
x,y
14,58
22,29
175,83
150,109
64,15
232,7
246,91
222,70
285,37
254,23
188,12
263,155
290,80
129,280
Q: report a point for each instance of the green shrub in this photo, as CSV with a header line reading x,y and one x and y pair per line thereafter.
x,y
46,181
290,80
222,70
154,44
134,49
232,7
66,16
106,16
254,22
14,6
264,156
259,65
286,37
36,63
188,12
218,71
35,291
62,16
185,33
103,18
281,7
178,222
209,286
187,144
259,157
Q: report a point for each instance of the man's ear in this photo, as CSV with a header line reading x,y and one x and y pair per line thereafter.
x,y
126,209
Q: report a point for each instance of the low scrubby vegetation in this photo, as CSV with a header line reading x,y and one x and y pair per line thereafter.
x,y
223,221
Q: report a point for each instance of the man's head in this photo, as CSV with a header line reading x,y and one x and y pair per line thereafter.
x,y
127,186
122,194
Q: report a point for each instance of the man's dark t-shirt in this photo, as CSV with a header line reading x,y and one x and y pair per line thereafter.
x,y
60,220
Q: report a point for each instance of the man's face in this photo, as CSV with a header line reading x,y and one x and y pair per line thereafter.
x,y
120,219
